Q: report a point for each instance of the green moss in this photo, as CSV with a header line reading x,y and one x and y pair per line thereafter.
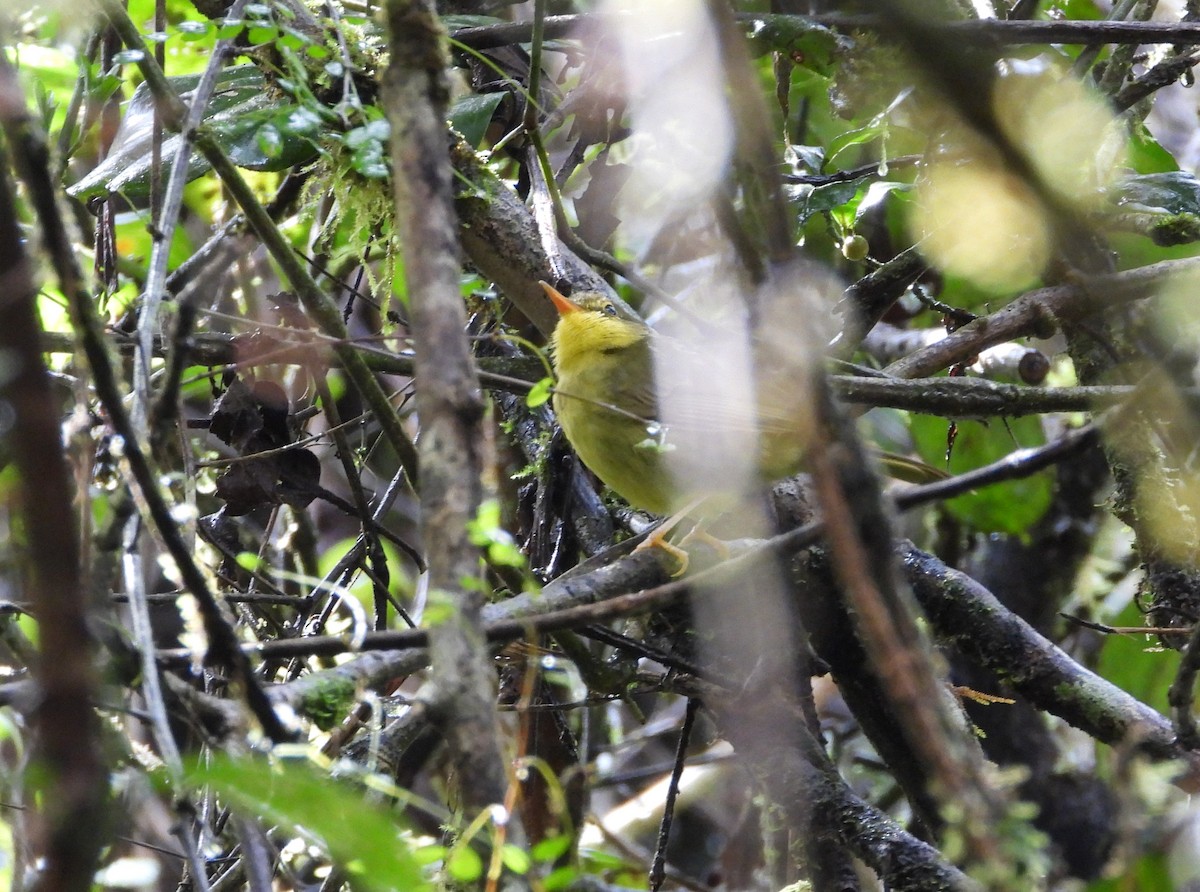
x,y
329,702
1179,229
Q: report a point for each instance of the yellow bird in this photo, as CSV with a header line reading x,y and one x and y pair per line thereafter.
x,y
612,410
608,404
605,397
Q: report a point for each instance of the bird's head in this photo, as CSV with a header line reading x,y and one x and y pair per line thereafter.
x,y
591,324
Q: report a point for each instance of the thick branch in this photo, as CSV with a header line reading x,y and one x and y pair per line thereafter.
x,y
501,238
463,691
969,617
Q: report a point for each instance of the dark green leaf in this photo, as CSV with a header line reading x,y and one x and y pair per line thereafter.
x,y
240,136
240,106
805,42
1172,192
470,115
809,158
819,199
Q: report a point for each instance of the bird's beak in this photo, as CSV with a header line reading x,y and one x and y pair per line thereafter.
x,y
564,305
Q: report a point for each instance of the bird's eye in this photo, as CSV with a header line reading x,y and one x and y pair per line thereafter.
x,y
610,310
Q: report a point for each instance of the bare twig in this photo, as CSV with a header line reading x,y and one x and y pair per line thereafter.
x,y
658,873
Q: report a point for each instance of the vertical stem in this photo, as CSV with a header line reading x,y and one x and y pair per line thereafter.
x,y
74,784
463,687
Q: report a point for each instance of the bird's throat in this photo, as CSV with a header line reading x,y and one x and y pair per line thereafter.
x,y
582,338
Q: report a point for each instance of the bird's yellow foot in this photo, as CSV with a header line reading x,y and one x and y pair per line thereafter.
x,y
658,539
699,534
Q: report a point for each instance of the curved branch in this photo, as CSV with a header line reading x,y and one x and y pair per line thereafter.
x,y
1036,312
966,615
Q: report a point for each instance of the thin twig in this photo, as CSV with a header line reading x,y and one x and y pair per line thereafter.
x,y
658,873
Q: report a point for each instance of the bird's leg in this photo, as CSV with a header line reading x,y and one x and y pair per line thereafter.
x,y
700,534
658,537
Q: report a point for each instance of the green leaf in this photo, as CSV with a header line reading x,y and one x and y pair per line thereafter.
x,y
876,128
516,859
1171,199
539,393
359,836
1148,872
378,130
1009,507
486,531
819,199
551,848
240,134
262,34
464,864
269,140
1146,155
292,41
369,160
470,115
367,144
1170,192
560,878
